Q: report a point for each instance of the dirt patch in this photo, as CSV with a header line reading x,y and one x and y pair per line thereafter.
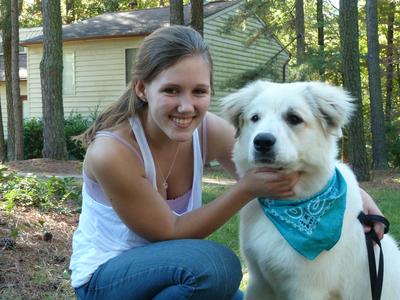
x,y
47,166
384,179
37,267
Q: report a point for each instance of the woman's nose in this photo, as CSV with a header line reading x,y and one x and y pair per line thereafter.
x,y
185,104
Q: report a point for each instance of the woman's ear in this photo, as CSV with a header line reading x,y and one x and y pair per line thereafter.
x,y
140,90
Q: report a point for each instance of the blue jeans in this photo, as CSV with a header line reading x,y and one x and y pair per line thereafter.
x,y
170,270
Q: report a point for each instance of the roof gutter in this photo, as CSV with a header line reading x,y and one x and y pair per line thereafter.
x,y
99,37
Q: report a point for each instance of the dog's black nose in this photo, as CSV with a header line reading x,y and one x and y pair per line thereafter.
x,y
263,142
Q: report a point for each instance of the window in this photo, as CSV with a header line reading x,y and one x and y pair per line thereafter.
x,y
69,73
130,55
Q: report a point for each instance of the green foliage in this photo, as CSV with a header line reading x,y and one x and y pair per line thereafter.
x,y
74,125
75,11
393,143
32,191
33,138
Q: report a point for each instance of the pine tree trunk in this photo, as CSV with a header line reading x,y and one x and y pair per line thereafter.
x,y
197,15
379,160
6,8
300,32
3,151
390,65
321,41
18,120
51,66
348,16
176,12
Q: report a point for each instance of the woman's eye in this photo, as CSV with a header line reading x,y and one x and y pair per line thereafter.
x,y
200,92
255,118
172,91
294,119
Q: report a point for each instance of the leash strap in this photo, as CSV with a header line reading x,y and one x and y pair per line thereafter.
x,y
376,278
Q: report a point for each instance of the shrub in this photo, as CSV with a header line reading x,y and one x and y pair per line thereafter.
x,y
43,193
75,124
33,138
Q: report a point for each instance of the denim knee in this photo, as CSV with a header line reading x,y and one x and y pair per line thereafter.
x,y
178,269
221,270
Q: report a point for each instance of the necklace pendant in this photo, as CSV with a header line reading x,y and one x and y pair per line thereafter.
x,y
165,185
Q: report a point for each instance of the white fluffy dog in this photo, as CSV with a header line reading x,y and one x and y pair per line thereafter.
x,y
316,251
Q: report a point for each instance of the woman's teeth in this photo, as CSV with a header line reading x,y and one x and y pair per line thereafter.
x,y
182,122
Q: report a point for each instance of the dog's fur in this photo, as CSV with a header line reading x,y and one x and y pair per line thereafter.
x,y
306,119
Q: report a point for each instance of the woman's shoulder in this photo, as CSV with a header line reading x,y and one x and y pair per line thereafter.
x,y
111,148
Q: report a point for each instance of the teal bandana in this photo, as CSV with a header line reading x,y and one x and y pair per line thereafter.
x,y
314,224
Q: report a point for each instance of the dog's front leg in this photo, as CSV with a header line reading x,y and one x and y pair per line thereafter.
x,y
310,293
258,288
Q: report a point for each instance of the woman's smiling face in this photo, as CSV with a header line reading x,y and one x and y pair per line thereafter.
x,y
178,98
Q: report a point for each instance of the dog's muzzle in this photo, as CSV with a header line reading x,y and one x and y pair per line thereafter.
x,y
264,147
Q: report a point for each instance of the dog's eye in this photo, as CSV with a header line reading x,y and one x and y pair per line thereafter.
x,y
255,118
294,119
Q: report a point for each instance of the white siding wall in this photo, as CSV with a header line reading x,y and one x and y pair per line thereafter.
x,y
3,100
99,74
231,56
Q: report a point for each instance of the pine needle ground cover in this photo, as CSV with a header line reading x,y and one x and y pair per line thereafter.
x,y
36,266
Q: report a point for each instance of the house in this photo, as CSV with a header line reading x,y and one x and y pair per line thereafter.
x,y
24,33
98,54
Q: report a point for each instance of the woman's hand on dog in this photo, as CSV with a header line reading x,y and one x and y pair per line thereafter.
x,y
371,208
266,182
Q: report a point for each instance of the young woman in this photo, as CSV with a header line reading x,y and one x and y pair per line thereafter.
x,y
141,230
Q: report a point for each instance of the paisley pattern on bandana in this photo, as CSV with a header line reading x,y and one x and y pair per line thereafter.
x,y
314,224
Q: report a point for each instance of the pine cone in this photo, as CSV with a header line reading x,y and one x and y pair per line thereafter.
x,y
47,236
7,243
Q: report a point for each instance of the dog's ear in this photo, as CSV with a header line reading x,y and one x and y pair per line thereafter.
x,y
332,105
232,105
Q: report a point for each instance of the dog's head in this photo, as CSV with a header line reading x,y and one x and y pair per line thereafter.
x,y
289,126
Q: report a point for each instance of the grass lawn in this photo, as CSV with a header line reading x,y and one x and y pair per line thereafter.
x,y
38,268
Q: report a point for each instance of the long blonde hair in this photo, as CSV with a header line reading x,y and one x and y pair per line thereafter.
x,y
159,51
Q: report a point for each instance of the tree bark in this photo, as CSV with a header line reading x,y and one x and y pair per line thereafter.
x,y
197,15
300,32
176,12
379,159
6,8
389,64
51,66
16,94
348,23
3,151
321,41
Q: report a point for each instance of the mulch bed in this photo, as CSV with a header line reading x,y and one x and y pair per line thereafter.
x,y
37,267
47,166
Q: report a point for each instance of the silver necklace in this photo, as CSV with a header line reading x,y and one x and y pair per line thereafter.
x,y
165,184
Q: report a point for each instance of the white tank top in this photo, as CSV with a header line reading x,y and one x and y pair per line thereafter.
x,y
101,234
